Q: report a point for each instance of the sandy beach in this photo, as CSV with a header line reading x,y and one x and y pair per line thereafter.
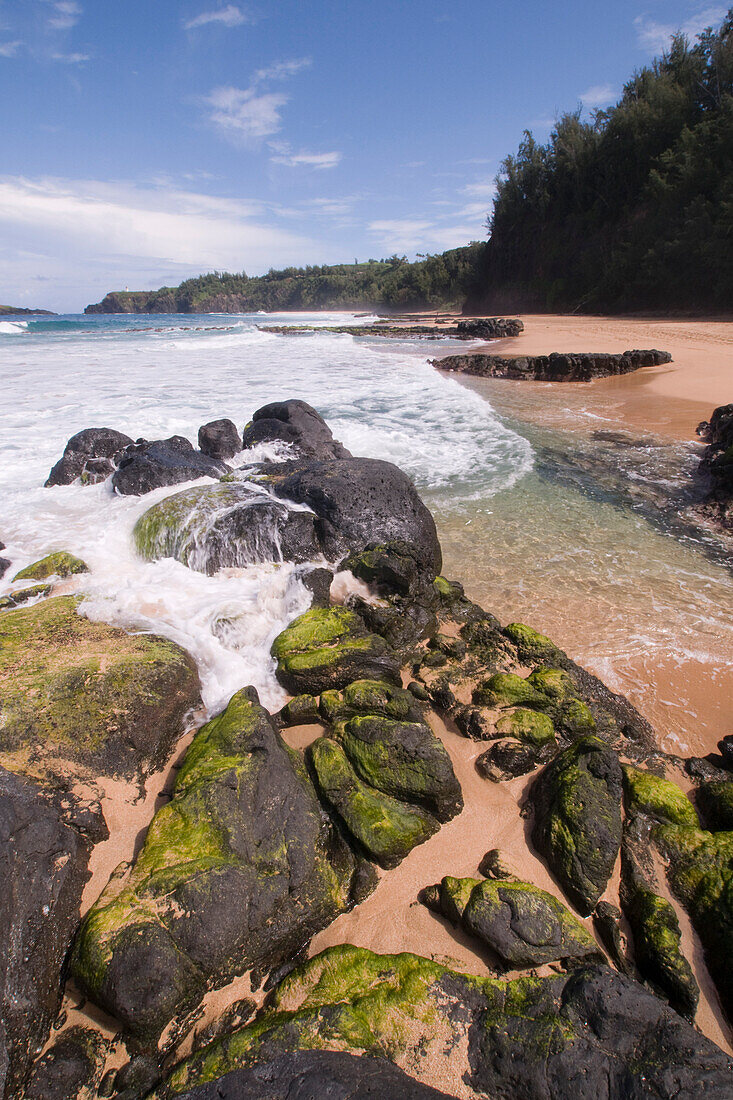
x,y
669,400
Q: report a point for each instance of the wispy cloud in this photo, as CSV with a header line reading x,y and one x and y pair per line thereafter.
x,y
230,16
599,95
71,58
655,37
283,154
65,15
249,114
97,232
9,49
240,114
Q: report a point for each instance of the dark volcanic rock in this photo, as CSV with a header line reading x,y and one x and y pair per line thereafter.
x,y
590,1035
4,566
219,439
362,502
490,328
717,462
43,868
577,819
557,367
146,466
91,455
317,1075
70,1069
294,422
237,871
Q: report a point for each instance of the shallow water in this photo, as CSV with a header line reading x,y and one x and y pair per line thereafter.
x,y
597,571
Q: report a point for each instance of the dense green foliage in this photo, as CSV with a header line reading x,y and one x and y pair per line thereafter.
x,y
437,281
633,209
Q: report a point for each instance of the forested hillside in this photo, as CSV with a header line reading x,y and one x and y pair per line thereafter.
x,y
631,210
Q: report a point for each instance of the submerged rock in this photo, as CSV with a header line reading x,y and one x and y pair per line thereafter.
x,y
297,423
146,466
60,564
219,439
329,647
88,693
237,871
522,924
43,868
90,455
210,527
577,819
591,1034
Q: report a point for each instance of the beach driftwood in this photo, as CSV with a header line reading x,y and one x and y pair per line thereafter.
x,y
556,367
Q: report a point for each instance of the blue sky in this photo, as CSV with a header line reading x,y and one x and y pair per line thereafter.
x,y
151,140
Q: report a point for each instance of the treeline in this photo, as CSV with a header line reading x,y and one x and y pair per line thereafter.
x,y
440,281
633,210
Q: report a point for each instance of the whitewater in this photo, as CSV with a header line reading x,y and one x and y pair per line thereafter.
x,y
153,377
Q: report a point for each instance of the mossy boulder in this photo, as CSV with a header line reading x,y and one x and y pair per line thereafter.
x,y
657,948
522,924
386,828
593,1033
700,872
506,689
577,819
238,870
88,692
301,710
531,726
649,794
232,524
532,647
716,805
549,691
370,697
60,564
403,759
329,647
24,595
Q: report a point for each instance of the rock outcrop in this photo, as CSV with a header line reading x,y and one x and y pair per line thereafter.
x,y
490,328
557,367
219,439
91,455
296,423
717,463
237,871
145,466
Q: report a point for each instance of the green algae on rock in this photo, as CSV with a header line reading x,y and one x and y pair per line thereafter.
x,y
88,692
60,564
531,726
238,870
657,949
591,1033
577,819
649,794
522,924
329,647
700,872
385,827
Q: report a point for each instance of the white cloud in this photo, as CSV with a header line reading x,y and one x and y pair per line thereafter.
x,y
283,154
71,58
9,49
92,234
655,37
242,115
66,14
481,189
599,95
246,114
281,70
230,16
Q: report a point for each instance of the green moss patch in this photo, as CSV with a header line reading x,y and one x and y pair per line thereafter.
x,y
384,826
658,952
330,647
59,564
531,726
87,691
648,793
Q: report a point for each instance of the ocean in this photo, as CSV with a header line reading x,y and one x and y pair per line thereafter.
x,y
647,608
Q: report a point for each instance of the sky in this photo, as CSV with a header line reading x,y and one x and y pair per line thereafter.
x,y
147,141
